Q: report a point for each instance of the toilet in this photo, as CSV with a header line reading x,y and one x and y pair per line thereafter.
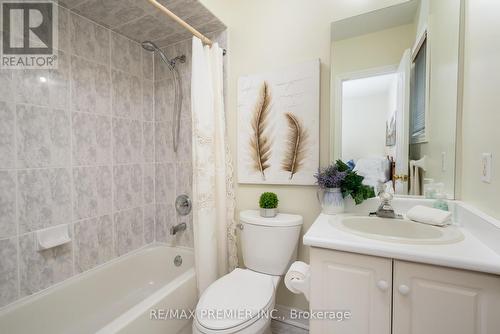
x,y
241,301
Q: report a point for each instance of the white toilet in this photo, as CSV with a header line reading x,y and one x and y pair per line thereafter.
x,y
238,301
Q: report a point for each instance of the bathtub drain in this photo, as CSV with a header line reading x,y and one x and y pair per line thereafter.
x,y
178,260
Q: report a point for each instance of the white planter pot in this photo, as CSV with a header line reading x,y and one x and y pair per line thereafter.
x,y
268,213
331,201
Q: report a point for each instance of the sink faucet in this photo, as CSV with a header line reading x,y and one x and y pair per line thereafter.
x,y
385,209
177,228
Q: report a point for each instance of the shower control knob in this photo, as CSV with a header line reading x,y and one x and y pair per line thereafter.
x,y
183,205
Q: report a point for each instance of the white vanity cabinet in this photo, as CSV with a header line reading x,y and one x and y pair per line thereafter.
x,y
359,284
438,300
386,296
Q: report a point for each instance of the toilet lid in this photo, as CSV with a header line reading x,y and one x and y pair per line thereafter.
x,y
234,299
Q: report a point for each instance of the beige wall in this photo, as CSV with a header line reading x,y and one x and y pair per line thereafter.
x,y
267,35
481,114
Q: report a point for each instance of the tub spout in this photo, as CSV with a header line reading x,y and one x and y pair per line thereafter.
x,y
178,228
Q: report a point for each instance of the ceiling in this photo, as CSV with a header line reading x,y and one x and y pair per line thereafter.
x,y
140,20
376,85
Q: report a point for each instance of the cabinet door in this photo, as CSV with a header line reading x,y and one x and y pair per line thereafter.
x,y
438,300
349,282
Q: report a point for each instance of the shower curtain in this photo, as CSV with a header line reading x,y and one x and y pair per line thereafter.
x,y
213,189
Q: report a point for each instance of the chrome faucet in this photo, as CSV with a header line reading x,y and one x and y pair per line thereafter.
x,y
178,228
385,209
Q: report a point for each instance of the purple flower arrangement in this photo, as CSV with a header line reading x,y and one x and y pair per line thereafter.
x,y
330,177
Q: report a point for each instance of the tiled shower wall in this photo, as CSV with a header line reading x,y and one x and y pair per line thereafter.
x,y
77,147
174,170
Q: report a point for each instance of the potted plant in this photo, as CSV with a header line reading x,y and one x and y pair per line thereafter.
x,y
338,181
268,203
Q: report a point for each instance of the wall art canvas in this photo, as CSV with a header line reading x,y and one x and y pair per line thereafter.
x,y
390,131
278,126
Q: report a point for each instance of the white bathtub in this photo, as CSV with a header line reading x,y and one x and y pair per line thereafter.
x,y
114,298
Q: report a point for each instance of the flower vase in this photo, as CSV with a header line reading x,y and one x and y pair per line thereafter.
x,y
331,200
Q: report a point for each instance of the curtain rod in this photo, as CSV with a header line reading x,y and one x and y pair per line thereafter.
x,y
183,23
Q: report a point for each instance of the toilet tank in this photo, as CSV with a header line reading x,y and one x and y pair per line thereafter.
x,y
269,245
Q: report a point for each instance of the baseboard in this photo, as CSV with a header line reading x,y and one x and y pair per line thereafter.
x,y
283,315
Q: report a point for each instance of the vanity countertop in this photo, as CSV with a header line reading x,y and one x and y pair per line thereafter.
x,y
472,253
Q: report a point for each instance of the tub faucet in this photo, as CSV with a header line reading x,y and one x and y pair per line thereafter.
x,y
178,228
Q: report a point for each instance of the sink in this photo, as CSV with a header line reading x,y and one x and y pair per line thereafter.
x,y
398,230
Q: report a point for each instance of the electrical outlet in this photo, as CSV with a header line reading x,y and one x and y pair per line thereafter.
x,y
486,167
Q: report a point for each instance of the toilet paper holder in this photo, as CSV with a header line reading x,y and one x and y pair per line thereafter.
x,y
298,278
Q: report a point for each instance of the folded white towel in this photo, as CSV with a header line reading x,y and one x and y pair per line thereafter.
x,y
426,215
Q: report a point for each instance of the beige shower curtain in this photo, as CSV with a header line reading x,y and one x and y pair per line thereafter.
x,y
213,190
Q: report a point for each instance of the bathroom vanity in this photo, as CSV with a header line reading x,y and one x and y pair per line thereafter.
x,y
391,283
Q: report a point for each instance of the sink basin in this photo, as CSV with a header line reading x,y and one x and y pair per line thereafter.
x,y
398,230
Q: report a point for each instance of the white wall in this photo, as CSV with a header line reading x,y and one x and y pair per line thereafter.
x,y
267,35
481,115
363,126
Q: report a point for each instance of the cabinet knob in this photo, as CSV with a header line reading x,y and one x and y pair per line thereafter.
x,y
404,289
383,285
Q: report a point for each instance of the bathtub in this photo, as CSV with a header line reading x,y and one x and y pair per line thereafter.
x,y
116,297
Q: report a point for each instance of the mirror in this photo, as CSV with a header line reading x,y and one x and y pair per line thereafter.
x,y
395,75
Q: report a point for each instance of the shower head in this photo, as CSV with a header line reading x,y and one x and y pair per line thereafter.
x,y
152,47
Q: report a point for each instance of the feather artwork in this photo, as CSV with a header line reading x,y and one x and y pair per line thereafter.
x,y
260,143
295,146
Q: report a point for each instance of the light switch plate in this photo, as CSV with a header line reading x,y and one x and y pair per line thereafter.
x,y
486,167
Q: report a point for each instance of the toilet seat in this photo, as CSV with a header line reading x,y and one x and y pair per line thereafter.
x,y
237,300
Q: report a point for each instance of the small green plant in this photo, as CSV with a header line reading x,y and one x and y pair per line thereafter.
x,y
268,200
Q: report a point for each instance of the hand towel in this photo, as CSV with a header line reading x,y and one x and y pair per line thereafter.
x,y
431,216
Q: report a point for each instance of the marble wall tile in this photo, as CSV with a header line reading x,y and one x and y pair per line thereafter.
x,y
91,88
93,242
91,139
111,13
32,86
148,131
149,223
7,135
184,152
126,55
126,95
147,27
43,137
127,186
147,65
8,222
63,29
147,100
164,100
8,271
165,183
127,141
164,151
59,80
161,70
149,183
183,178
44,198
89,40
91,192
39,270
7,84
164,220
129,230
71,3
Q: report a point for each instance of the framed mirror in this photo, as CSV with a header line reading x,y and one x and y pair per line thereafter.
x,y
395,82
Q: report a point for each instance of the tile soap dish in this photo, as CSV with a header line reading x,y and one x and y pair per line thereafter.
x,y
52,237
